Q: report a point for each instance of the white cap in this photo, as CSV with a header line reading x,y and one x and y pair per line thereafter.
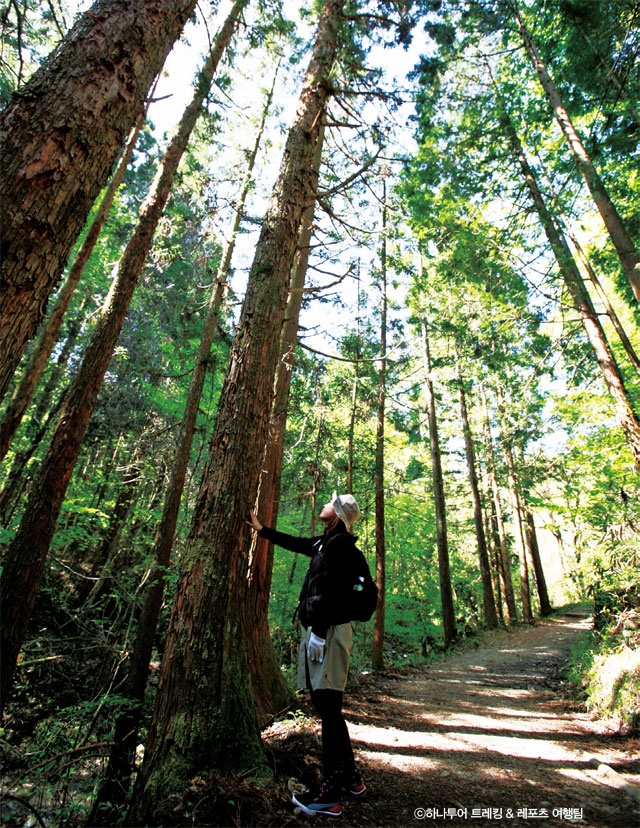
x,y
347,509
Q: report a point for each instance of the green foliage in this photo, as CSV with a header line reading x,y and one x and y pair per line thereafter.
x,y
30,30
604,667
465,255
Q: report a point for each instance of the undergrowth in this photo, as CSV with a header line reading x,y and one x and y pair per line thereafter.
x,y
604,666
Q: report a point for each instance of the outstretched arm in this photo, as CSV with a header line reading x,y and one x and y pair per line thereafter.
x,y
290,542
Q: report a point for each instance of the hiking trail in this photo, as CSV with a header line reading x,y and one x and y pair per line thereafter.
x,y
482,728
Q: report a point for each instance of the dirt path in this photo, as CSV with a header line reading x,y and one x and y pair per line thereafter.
x,y
487,729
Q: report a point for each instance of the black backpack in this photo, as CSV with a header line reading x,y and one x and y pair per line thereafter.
x,y
361,592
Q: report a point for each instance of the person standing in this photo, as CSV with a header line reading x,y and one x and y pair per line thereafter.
x,y
325,646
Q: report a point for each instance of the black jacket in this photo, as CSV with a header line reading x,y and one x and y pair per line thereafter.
x,y
324,597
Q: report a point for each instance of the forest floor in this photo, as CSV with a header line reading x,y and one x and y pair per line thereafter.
x,y
486,735
483,737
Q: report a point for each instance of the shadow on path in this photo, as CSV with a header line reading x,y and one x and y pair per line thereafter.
x,y
483,738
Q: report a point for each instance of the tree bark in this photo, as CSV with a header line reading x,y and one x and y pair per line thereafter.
x,y
611,373
377,653
618,234
354,397
516,516
51,328
59,137
27,552
602,294
204,716
498,568
43,416
105,556
269,688
488,597
534,552
505,569
444,569
564,227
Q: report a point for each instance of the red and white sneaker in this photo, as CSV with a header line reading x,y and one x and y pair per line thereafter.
x,y
355,786
325,801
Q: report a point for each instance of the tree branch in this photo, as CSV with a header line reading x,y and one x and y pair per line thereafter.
x,y
26,804
346,359
347,181
84,749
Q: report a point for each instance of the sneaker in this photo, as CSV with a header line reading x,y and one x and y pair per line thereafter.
x,y
326,801
354,786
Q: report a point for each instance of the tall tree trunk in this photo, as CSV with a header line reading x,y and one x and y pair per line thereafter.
x,y
377,653
611,373
444,569
629,256
488,598
609,67
204,716
602,294
316,474
19,474
43,416
51,328
534,552
611,313
105,556
492,543
516,516
354,398
564,227
269,688
498,568
59,137
27,552
505,569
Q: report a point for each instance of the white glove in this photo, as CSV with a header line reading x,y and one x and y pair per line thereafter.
x,y
315,648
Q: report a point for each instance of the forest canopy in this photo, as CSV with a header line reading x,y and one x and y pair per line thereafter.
x,y
256,252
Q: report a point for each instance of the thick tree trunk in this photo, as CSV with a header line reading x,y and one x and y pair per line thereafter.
x,y
51,328
534,552
629,256
204,716
59,137
444,569
377,653
27,552
269,688
611,373
488,597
